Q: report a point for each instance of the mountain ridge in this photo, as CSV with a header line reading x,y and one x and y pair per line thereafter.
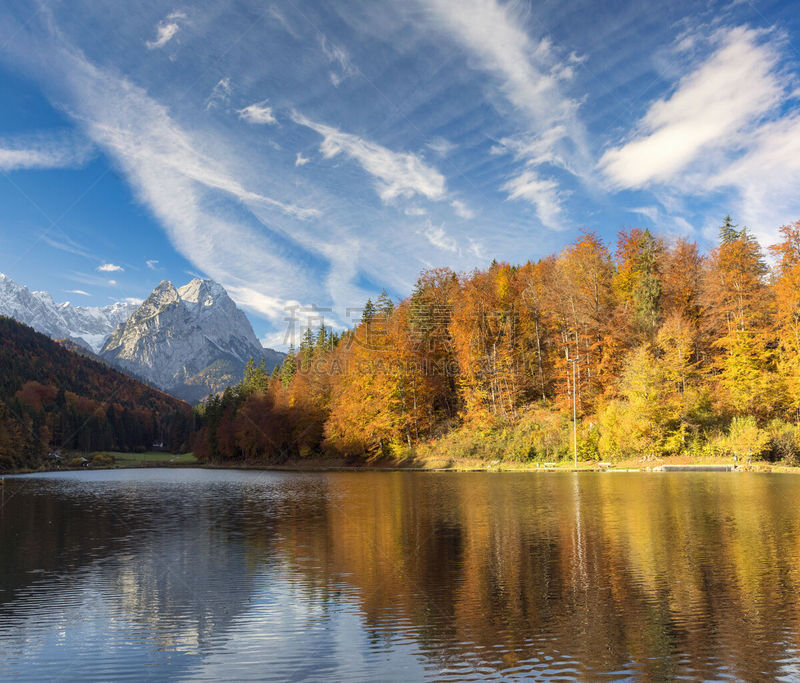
x,y
85,325
190,341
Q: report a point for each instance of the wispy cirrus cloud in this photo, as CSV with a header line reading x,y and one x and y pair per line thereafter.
x,y
204,207
152,264
438,237
220,94
397,174
766,178
531,75
339,57
77,291
44,150
529,72
91,279
441,146
166,30
68,245
649,212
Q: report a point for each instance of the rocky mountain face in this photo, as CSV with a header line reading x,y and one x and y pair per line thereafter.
x,y
188,341
87,326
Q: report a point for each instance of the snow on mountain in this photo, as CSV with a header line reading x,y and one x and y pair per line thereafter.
x,y
189,341
89,326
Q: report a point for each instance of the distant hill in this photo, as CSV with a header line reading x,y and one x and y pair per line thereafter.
x,y
51,397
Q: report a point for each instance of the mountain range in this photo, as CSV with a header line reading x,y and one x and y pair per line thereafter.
x,y
88,326
189,341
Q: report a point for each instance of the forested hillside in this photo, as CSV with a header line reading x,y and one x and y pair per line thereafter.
x,y
675,352
51,397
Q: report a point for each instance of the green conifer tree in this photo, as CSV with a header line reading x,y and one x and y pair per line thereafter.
x,y
369,312
289,367
728,232
384,304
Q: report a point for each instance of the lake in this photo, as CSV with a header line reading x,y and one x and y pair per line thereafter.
x,y
208,574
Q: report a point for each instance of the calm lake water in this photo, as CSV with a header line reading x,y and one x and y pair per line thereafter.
x,y
201,574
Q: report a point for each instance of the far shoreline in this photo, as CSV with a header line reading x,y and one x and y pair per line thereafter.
x,y
322,464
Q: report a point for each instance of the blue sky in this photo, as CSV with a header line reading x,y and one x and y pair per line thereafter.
x,y
306,154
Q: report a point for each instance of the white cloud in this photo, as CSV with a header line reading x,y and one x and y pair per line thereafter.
x,y
682,226
132,300
650,212
476,249
726,127
438,237
77,291
113,283
258,112
43,151
68,245
414,211
462,209
709,110
160,154
398,174
87,279
543,193
276,341
340,58
166,30
110,268
220,93
441,146
766,178
152,263
301,160
540,148
271,306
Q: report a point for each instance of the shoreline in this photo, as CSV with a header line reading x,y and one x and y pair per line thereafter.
x,y
432,465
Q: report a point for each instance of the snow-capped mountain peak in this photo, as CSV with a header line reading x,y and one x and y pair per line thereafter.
x,y
86,325
189,341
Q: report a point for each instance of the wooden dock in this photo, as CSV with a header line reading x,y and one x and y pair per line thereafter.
x,y
694,468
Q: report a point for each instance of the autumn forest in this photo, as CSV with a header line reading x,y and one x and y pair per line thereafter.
x,y
674,352
52,398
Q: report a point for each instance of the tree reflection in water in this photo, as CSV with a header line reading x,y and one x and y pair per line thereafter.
x,y
287,575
